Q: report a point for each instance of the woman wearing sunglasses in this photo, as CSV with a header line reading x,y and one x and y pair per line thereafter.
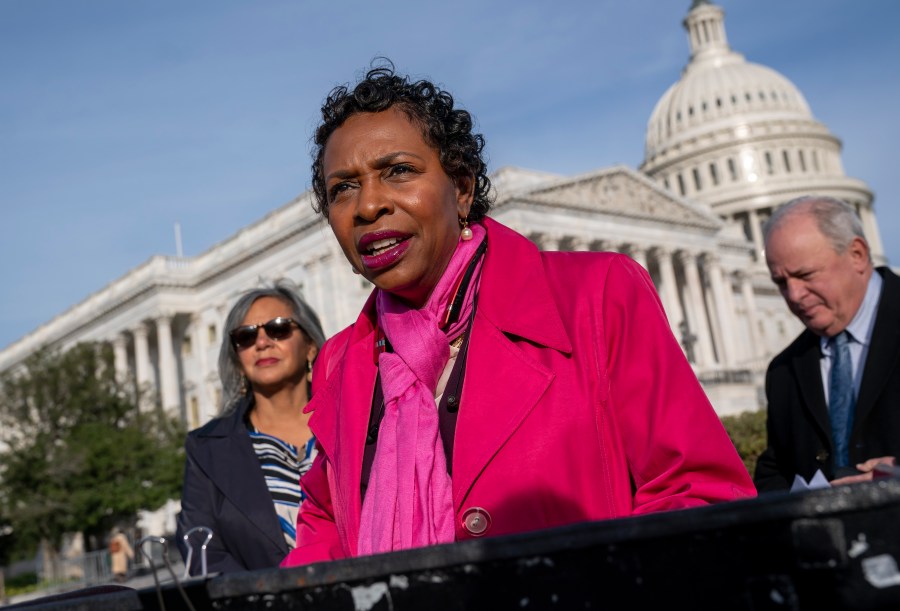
x,y
486,388
242,468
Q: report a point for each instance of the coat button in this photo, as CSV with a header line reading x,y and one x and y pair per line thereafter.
x,y
822,456
476,521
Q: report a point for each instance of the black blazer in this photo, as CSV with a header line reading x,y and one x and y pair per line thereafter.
x,y
224,489
798,427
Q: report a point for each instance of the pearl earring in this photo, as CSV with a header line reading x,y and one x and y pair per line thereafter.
x,y
466,234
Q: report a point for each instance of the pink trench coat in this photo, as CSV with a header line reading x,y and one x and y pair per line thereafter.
x,y
577,405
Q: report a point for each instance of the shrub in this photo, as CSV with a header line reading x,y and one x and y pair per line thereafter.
x,y
748,434
23,580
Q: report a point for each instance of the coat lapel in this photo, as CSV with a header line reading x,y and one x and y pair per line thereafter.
x,y
340,428
228,459
501,388
808,370
884,350
502,384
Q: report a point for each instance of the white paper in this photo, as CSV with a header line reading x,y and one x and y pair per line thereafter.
x,y
817,482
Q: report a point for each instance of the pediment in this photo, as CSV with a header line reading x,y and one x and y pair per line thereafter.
x,y
617,191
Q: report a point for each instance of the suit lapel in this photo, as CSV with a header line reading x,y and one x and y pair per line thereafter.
x,y
884,349
232,465
808,369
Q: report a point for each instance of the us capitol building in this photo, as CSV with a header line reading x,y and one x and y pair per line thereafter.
x,y
725,144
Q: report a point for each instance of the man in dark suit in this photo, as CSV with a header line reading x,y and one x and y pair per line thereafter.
x,y
834,393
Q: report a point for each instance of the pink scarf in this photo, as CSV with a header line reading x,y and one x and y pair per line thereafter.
x,y
409,499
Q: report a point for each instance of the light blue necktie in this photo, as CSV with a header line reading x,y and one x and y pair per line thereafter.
x,y
841,401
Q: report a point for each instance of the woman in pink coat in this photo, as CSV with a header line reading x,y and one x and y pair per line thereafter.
x,y
486,388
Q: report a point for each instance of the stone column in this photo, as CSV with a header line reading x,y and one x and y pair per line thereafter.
x,y
695,310
339,278
638,253
316,296
669,290
208,407
756,234
168,373
548,241
142,373
607,246
581,244
724,318
120,354
756,342
741,351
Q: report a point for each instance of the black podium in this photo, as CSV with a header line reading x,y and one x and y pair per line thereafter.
x,y
828,549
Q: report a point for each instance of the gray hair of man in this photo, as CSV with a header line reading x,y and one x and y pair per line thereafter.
x,y
836,219
229,364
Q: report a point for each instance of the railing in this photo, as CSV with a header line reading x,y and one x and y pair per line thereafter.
x,y
90,569
62,574
821,549
78,573
726,376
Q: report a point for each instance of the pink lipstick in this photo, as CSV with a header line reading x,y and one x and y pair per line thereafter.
x,y
381,249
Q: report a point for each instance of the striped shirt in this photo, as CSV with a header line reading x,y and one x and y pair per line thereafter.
x,y
282,467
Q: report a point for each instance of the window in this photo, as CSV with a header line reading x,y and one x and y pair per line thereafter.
x,y
697,184
211,334
714,173
787,161
745,225
815,160
770,167
732,169
718,102
681,188
666,182
802,158
186,347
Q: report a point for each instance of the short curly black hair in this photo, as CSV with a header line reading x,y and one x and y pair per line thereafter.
x,y
447,129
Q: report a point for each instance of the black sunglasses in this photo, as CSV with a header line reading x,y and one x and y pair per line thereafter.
x,y
277,329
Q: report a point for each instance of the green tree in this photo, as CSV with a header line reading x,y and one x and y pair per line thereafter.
x,y
748,434
76,453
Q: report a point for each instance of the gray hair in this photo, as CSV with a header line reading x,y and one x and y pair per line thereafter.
x,y
229,364
836,219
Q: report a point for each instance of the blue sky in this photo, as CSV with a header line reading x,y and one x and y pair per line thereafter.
x,y
118,119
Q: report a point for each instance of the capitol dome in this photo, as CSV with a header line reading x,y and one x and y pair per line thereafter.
x,y
741,138
733,90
